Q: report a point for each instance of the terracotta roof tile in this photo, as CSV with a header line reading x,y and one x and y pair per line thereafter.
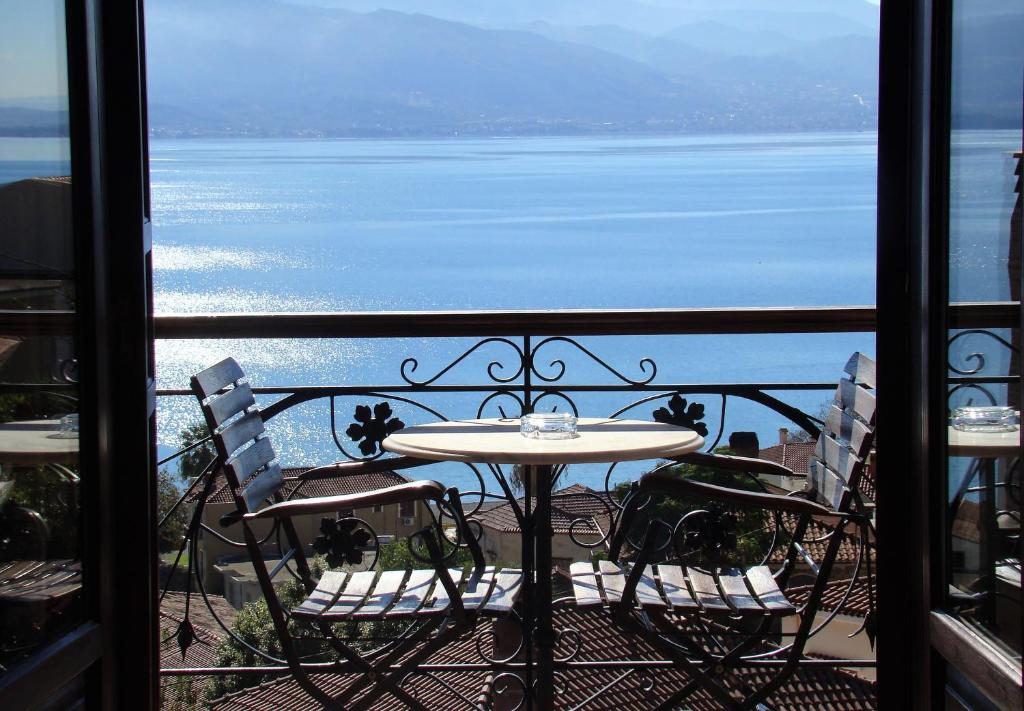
x,y
604,690
567,505
793,455
856,605
208,635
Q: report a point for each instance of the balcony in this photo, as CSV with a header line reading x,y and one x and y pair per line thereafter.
x,y
491,364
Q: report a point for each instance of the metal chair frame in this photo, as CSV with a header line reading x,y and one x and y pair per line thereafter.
x,y
249,463
832,496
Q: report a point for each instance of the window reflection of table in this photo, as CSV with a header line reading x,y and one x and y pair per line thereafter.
x,y
986,448
499,442
31,442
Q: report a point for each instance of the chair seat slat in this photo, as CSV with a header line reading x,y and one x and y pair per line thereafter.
x,y
438,602
647,590
735,591
676,591
706,591
612,580
767,590
324,595
352,596
584,583
507,586
478,589
384,593
416,589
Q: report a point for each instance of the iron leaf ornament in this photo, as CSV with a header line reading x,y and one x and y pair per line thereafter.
x,y
683,415
341,541
373,427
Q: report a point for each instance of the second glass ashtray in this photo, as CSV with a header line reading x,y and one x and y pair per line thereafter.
x,y
984,419
548,425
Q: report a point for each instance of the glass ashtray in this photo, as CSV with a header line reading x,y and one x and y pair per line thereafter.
x,y
548,425
68,428
985,419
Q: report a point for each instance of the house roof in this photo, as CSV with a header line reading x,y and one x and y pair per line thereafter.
x,y
567,505
857,604
202,652
793,455
331,486
599,640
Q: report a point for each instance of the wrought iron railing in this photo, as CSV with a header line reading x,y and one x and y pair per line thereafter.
x,y
518,377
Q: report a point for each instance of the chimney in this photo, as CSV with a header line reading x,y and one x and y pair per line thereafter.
x,y
744,444
783,435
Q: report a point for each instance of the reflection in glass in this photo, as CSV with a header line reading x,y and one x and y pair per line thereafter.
x,y
984,521
40,568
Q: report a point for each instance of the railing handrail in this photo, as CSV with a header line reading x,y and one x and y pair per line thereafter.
x,y
533,322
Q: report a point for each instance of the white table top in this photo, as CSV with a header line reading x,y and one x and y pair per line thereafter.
x,y
498,441
984,445
30,442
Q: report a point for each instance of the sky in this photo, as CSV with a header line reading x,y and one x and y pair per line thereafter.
x,y
33,59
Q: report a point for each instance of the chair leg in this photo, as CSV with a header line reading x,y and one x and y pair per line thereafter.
x,y
369,674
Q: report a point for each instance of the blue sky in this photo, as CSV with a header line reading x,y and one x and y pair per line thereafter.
x,y
33,59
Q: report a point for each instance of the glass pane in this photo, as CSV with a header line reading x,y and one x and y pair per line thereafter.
x,y
983,535
40,566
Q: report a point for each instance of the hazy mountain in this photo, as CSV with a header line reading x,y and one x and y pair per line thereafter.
x,y
833,17
19,121
337,72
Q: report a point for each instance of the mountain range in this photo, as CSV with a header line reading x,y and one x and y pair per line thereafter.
x,y
493,67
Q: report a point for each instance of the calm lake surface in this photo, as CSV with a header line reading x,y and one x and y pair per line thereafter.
x,y
613,222
605,222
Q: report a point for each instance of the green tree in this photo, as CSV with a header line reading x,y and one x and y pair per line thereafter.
x,y
192,463
173,529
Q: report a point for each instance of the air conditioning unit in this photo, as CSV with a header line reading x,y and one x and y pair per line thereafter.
x,y
408,521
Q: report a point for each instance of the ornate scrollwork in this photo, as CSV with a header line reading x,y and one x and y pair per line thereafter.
x,y
711,530
409,365
559,364
342,541
977,357
373,428
682,414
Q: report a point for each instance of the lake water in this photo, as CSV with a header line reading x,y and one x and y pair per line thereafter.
x,y
614,222
627,222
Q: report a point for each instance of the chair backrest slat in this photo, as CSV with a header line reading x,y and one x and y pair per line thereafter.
x,y
238,433
837,457
827,486
244,429
853,398
263,486
216,378
861,369
849,429
847,437
232,402
251,459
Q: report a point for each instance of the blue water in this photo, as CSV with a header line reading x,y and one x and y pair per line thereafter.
x,y
251,225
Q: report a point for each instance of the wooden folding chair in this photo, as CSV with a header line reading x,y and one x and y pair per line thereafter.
x,y
667,602
438,601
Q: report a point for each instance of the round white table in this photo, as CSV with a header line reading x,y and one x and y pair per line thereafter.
x,y
497,441
983,445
